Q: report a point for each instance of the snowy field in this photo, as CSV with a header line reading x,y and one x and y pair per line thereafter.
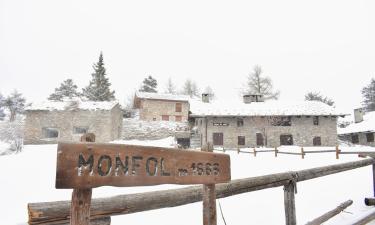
x,y
30,176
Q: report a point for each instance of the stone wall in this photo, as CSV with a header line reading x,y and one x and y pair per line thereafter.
x,y
361,137
302,129
152,110
105,124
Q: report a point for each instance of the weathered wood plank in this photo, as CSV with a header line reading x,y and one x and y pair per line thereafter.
x,y
98,221
44,213
89,165
328,215
80,208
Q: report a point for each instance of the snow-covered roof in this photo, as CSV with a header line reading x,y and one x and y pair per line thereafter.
x,y
68,105
160,96
367,125
268,108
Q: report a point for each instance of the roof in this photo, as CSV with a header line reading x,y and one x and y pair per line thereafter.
x,y
160,96
69,105
367,125
269,108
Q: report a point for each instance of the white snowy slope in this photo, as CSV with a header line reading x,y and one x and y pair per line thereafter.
x,y
30,177
84,105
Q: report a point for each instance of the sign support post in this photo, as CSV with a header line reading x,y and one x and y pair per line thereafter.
x,y
209,197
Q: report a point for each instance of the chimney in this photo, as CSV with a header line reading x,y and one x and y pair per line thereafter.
x,y
358,115
247,99
205,98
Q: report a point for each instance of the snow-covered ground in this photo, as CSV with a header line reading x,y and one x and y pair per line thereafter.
x,y
30,177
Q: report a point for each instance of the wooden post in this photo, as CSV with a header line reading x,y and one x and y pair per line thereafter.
x,y
276,151
209,197
255,152
81,198
337,152
302,153
238,150
289,204
373,178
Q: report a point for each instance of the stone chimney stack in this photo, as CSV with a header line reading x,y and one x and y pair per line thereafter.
x,y
205,98
358,115
247,99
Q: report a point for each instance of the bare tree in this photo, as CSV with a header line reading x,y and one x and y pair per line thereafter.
x,y
190,88
15,104
259,84
170,87
368,94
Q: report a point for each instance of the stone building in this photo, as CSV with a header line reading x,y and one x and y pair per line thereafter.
x,y
50,122
166,107
361,131
254,123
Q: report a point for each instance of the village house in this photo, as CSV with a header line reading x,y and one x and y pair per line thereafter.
x,y
162,107
50,122
361,131
255,123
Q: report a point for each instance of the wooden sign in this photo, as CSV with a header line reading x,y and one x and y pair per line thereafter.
x,y
89,165
220,124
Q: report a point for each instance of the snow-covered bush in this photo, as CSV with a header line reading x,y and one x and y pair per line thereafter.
x,y
12,133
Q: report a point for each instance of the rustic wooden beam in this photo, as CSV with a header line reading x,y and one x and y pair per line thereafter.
x,y
98,221
47,212
289,204
368,217
328,215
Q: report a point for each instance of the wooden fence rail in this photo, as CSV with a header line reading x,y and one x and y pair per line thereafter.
x,y
58,212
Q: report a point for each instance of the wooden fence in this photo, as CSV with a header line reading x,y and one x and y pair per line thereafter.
x,y
58,212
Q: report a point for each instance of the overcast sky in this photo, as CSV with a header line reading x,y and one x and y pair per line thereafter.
x,y
317,45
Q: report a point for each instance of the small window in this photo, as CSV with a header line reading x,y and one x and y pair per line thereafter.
x,y
355,138
241,140
316,120
239,122
370,137
286,139
165,117
178,118
154,119
80,130
201,122
281,121
317,141
50,132
178,107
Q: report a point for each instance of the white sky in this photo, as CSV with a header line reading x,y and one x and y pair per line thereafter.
x,y
320,45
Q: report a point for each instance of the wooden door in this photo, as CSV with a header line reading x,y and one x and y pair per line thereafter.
x,y
260,140
218,138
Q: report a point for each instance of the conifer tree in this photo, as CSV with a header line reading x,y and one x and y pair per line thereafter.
x,y
316,96
15,104
98,89
149,84
368,94
67,89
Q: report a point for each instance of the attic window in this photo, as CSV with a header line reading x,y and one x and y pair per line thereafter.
x,y
239,122
80,130
49,132
316,120
281,121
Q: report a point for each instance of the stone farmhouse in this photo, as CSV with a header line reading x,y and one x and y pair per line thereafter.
x,y
162,107
50,122
361,131
254,123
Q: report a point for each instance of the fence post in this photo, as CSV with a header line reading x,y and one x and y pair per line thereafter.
x,y
337,152
276,151
209,197
81,198
289,204
373,177
255,152
302,153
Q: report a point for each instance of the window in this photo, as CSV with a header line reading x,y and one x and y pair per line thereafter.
x,y
286,139
317,141
355,138
178,118
316,120
154,119
165,117
50,132
370,137
178,107
281,121
241,140
239,122
217,138
260,140
80,130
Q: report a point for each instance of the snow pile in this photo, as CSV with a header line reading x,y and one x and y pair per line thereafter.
x,y
367,125
269,108
264,207
150,130
161,96
71,105
11,136
168,142
4,148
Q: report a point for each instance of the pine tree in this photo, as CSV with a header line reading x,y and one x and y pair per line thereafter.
x,y
259,84
170,87
67,89
149,84
190,88
15,104
316,96
368,94
98,89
